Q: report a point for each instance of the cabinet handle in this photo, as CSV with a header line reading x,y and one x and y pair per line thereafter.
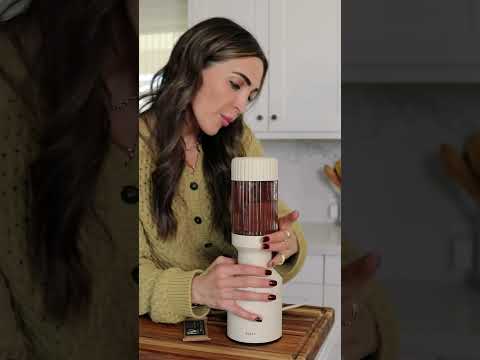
x,y
274,117
259,117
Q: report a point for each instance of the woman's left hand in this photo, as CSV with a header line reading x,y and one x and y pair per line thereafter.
x,y
283,242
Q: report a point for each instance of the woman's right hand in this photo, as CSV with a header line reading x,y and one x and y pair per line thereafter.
x,y
220,286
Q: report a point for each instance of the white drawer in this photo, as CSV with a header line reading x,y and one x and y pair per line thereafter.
x,y
333,271
312,271
333,298
300,293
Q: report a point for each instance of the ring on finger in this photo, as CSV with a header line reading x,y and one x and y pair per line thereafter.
x,y
288,234
283,259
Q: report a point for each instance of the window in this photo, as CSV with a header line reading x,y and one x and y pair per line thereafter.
x,y
162,23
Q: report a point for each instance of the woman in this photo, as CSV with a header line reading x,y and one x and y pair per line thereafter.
x,y
69,123
191,131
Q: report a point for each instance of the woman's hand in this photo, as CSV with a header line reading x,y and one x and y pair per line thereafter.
x,y
359,331
283,242
219,287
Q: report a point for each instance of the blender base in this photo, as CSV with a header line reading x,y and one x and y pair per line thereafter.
x,y
254,344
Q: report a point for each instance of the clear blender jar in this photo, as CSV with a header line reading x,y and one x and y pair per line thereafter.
x,y
254,196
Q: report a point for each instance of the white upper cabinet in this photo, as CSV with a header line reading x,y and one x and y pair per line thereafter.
x,y
411,41
305,67
301,95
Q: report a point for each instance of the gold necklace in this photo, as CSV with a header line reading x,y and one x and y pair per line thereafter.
x,y
196,145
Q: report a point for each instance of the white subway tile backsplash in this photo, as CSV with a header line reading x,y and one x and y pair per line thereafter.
x,y
302,184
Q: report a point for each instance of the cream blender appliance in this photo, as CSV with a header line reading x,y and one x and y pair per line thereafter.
x,y
254,196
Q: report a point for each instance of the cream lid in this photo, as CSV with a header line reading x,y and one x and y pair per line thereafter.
x,y
254,169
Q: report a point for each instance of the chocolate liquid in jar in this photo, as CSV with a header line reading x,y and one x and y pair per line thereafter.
x,y
254,207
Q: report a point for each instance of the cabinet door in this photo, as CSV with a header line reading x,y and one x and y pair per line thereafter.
x,y
253,16
305,66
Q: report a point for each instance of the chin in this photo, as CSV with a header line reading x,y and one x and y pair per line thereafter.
x,y
213,132
210,130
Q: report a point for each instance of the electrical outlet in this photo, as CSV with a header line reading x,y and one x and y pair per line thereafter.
x,y
332,211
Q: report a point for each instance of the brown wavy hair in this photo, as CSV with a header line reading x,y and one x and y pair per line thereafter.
x,y
74,38
169,99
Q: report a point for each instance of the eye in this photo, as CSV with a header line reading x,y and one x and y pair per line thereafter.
x,y
234,85
252,96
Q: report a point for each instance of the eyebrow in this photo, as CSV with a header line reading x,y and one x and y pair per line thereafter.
x,y
247,80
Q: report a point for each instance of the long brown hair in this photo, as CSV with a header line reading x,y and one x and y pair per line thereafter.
x,y
74,137
169,99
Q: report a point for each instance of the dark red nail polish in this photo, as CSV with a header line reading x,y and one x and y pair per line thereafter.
x,y
271,297
268,272
273,283
258,319
266,246
266,239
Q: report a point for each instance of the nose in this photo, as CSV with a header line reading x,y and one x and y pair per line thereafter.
x,y
241,102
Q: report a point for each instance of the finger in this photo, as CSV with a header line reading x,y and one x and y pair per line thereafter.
x,y
278,236
242,282
357,274
229,270
282,246
239,311
252,296
276,260
287,220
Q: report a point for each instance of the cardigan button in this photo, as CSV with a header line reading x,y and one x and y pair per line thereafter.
x,y
193,185
130,194
198,219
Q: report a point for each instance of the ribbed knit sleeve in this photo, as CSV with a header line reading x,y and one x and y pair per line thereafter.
x,y
165,294
293,264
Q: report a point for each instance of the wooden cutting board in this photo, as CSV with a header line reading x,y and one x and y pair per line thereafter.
x,y
304,331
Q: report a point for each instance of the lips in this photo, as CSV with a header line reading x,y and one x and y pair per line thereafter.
x,y
226,120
